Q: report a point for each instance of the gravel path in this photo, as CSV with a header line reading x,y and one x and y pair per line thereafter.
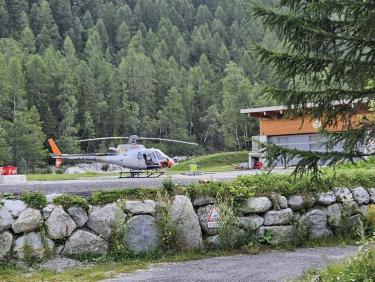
x,y
272,266
87,186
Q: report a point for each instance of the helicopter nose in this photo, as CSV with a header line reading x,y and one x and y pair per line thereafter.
x,y
167,163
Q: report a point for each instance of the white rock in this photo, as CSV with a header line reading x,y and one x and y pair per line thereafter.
x,y
187,224
256,205
79,215
28,220
279,217
101,219
143,234
204,213
48,210
361,196
343,194
6,242
326,198
279,234
15,207
251,223
59,224
316,221
83,242
140,207
34,241
6,219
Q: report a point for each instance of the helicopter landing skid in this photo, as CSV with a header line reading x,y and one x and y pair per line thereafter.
x,y
141,174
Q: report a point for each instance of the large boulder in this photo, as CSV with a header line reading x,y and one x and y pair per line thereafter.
x,y
33,243
59,224
28,220
140,207
6,242
343,194
82,242
371,191
316,221
6,219
279,217
51,197
278,234
15,207
101,219
78,214
298,202
326,198
204,213
187,223
361,196
256,205
333,215
250,223
143,234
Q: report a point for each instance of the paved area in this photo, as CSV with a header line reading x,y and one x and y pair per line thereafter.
x,y
87,186
272,266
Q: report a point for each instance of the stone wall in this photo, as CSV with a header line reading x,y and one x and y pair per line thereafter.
x,y
76,231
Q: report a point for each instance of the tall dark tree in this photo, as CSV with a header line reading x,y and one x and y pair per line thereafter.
x,y
329,56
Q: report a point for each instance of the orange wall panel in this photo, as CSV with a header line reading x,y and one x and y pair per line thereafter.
x,y
276,126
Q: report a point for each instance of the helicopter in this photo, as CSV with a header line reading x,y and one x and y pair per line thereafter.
x,y
133,156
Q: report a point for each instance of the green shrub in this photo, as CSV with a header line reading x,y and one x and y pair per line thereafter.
x,y
68,200
169,186
105,197
285,184
35,199
170,236
231,235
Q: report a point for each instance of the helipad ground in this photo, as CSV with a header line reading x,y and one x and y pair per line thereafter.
x,y
86,186
266,267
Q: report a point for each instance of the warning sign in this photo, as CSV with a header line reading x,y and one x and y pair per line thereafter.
x,y
213,218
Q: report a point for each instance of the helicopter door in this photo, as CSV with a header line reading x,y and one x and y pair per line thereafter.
x,y
150,159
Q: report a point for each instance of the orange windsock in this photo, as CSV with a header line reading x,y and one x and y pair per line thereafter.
x,y
54,147
56,151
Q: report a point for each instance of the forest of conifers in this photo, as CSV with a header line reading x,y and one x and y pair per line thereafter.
x,y
74,69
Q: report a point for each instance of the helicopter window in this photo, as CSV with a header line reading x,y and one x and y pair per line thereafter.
x,y
159,156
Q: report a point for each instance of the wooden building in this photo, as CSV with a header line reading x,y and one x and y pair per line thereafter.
x,y
300,133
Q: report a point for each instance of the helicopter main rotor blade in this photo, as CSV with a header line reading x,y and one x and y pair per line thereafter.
x,y
168,140
102,138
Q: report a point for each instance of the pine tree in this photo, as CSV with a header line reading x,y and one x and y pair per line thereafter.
x,y
4,19
329,55
28,40
236,127
29,141
4,146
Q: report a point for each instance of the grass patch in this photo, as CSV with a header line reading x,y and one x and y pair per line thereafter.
x,y
214,162
68,200
35,199
106,197
58,177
